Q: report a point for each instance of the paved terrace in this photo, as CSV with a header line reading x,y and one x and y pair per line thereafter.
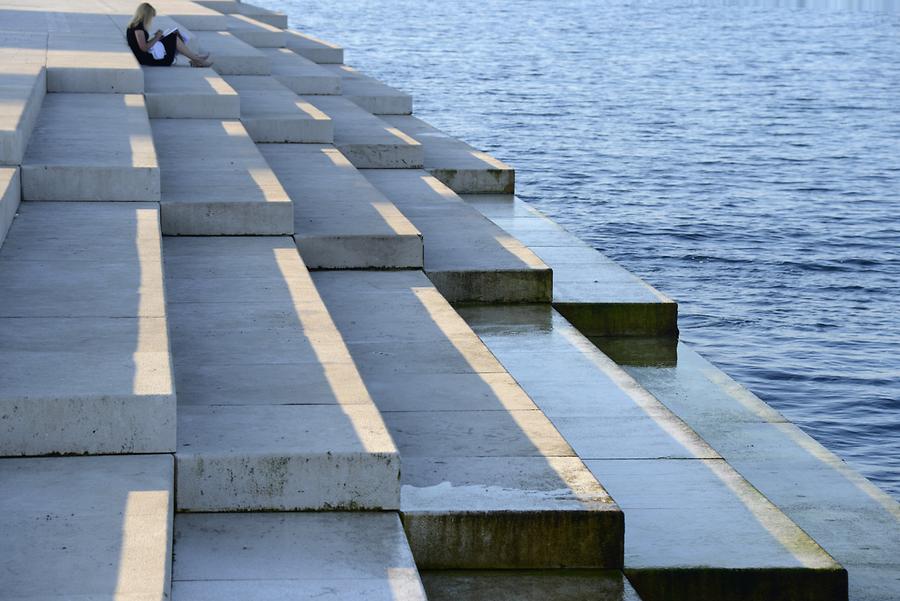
x,y
264,334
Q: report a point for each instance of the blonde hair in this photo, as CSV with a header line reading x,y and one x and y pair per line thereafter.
x,y
143,15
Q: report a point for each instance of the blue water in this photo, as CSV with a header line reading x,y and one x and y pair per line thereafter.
x,y
742,157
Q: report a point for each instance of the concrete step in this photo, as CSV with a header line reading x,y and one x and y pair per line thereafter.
x,y
92,63
316,50
22,90
596,294
468,258
272,413
487,481
256,33
91,147
214,181
300,74
696,528
189,94
10,195
854,520
371,94
86,527
527,585
272,113
229,7
456,164
340,220
230,55
83,332
272,17
366,140
275,557
190,15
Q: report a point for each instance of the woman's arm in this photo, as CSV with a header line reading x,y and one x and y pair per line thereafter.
x,y
142,42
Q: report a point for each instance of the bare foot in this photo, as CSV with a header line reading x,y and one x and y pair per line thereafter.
x,y
201,63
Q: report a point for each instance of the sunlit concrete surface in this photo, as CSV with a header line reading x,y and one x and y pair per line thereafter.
x,y
84,347
456,164
86,528
22,90
467,257
10,196
527,585
272,17
487,481
92,61
232,56
91,147
316,50
695,529
371,94
274,557
340,220
366,140
189,14
592,291
228,7
272,113
851,518
256,33
215,182
301,74
187,93
273,414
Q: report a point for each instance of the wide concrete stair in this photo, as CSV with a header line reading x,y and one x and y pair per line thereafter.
x,y
91,147
232,56
22,90
272,113
340,220
214,181
256,33
276,556
696,529
487,482
596,294
300,74
83,332
367,141
86,527
316,50
10,197
96,60
272,17
272,412
369,93
189,93
456,164
468,258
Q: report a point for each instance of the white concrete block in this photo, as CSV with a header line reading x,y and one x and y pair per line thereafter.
x,y
214,181
340,220
192,15
367,141
20,44
228,7
22,90
468,258
230,55
592,291
189,94
277,556
83,341
256,33
371,94
86,527
316,50
528,585
272,17
91,147
456,164
272,113
273,413
10,195
300,74
92,63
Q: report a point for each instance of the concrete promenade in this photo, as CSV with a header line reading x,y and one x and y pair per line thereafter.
x,y
267,335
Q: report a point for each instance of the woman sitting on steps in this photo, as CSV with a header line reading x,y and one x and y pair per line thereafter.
x,y
141,44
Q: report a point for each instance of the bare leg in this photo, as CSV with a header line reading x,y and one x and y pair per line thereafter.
x,y
183,49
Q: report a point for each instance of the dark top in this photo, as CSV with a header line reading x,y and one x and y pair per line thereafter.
x,y
145,58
